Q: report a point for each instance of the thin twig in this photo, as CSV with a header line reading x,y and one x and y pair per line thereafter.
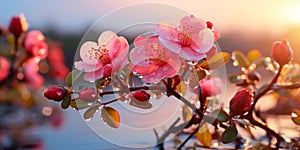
x,y
189,137
131,89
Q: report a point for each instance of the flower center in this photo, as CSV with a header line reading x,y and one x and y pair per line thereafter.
x,y
157,56
184,39
101,53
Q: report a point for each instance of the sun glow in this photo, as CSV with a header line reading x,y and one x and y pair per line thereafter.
x,y
294,14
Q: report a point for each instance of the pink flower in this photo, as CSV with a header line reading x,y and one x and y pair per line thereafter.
x,y
211,87
31,72
190,40
4,67
153,60
104,58
35,44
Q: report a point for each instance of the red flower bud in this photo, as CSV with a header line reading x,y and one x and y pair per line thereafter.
x,y
88,95
18,25
282,52
241,102
141,96
56,93
209,24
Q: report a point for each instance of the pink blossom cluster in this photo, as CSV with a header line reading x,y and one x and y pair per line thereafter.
x,y
28,50
156,55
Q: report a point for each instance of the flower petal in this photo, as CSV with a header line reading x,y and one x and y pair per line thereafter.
x,y
93,76
190,54
167,32
172,46
138,55
192,23
89,53
205,41
106,37
82,66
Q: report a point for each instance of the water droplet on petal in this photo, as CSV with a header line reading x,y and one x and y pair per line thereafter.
x,y
140,76
192,63
59,92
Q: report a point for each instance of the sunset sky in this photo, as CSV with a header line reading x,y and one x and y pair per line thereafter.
x,y
70,15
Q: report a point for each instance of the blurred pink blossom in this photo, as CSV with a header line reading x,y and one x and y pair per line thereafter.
x,y
34,43
31,72
211,87
152,60
4,67
191,39
104,58
57,61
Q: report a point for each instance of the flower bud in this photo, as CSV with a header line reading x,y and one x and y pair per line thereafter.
x,y
209,24
241,102
141,96
282,52
18,25
88,95
56,93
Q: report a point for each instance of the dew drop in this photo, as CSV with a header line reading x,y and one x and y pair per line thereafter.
x,y
59,93
140,76
186,81
89,104
192,63
116,89
89,119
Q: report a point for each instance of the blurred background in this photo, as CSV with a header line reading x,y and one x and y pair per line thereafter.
x,y
244,25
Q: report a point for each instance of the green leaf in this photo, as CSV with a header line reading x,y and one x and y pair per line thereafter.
x,y
260,146
230,134
182,88
244,122
221,115
193,80
110,116
66,102
101,83
186,113
72,77
79,104
89,113
216,61
204,136
240,58
253,55
201,74
296,116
